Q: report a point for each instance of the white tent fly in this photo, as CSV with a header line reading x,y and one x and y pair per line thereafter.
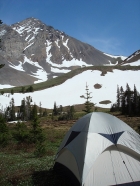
x,y
101,150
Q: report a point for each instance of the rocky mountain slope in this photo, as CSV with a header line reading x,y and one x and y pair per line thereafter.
x,y
133,59
34,52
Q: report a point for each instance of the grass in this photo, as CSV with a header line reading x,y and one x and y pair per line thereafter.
x,y
20,167
61,79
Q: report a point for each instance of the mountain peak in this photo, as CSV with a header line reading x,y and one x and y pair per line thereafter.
x,y
34,48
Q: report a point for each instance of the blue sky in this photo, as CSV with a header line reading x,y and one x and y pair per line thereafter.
x,y
112,26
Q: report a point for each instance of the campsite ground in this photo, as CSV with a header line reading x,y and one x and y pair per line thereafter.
x,y
20,166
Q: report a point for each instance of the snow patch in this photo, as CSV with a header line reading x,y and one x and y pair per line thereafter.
x,y
73,62
122,57
48,52
57,43
19,29
6,86
65,44
136,63
33,37
27,37
57,70
18,67
28,46
111,64
3,32
41,74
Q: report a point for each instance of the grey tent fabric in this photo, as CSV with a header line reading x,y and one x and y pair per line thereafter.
x,y
101,150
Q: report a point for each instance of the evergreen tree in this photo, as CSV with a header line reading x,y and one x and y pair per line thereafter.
x,y
18,115
23,110
45,113
6,113
4,132
31,89
34,112
118,97
88,104
122,101
23,89
61,108
71,112
12,110
21,133
2,92
55,110
28,107
129,98
38,138
129,101
12,91
36,132
135,101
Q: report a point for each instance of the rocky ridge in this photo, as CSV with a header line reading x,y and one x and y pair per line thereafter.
x,y
37,52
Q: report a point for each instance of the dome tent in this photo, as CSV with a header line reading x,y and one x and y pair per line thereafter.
x,y
101,150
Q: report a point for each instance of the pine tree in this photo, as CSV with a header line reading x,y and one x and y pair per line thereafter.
x,y
31,89
34,112
18,115
12,110
45,113
23,89
28,107
129,97
122,101
61,108
38,138
135,101
55,110
72,111
12,91
4,132
118,97
88,104
2,92
23,110
36,132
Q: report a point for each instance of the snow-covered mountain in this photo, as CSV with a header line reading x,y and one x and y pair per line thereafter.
x,y
34,52
133,60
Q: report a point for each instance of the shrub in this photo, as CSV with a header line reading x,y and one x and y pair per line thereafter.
x,y
4,132
21,133
36,133
40,150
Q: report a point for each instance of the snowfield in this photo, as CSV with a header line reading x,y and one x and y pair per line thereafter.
x,y
70,91
136,63
122,57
